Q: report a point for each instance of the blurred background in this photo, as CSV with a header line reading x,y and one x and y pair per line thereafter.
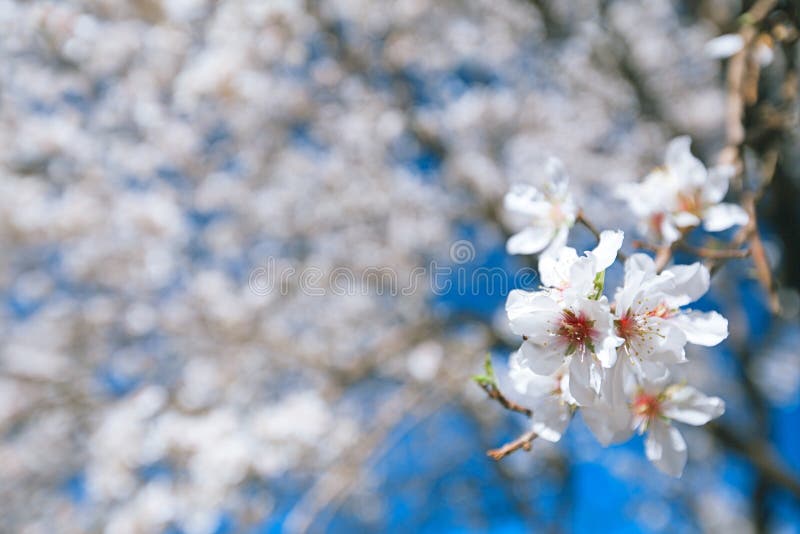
x,y
161,159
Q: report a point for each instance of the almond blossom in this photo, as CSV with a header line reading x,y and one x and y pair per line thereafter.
x,y
565,272
567,327
612,360
544,215
654,407
682,194
547,396
648,314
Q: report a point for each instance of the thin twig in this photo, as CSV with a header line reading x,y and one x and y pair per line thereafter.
x,y
715,253
494,393
523,442
581,218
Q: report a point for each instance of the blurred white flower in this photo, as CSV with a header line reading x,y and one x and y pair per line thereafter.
x,y
724,46
544,214
681,195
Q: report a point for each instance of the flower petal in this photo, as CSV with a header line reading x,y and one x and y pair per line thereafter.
x,y
702,328
528,311
554,269
551,418
690,283
525,199
684,219
687,405
722,216
581,380
530,240
689,170
669,232
723,46
542,360
606,250
608,424
671,350
559,240
716,187
666,448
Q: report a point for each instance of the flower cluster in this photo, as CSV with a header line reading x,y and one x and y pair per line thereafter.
x,y
612,359
682,194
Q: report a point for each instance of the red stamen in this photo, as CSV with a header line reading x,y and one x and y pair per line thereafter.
x,y
576,329
646,405
626,326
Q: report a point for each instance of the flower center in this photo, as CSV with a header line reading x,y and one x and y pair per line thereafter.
x,y
627,326
646,405
689,203
557,213
576,329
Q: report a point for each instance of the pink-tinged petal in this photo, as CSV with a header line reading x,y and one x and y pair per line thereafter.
x,y
687,405
702,328
722,216
606,250
529,241
666,448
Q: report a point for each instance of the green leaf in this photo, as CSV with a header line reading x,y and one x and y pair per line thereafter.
x,y
483,380
487,366
486,379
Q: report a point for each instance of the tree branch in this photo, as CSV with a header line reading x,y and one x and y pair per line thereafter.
x,y
523,442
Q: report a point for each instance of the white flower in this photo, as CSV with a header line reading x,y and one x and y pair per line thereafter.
x,y
544,215
577,330
654,408
681,195
648,315
547,396
724,46
609,416
566,273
